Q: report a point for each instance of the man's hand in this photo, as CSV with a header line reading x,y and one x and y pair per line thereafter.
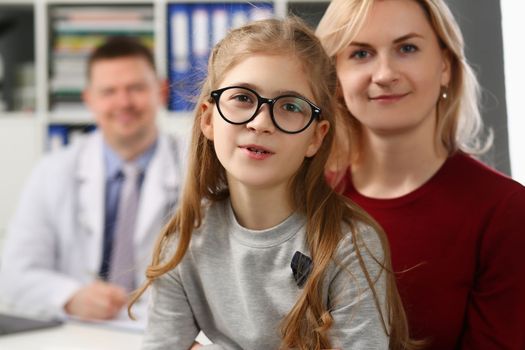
x,y
196,346
98,300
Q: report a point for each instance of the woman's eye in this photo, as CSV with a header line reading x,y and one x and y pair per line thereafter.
x,y
408,48
360,54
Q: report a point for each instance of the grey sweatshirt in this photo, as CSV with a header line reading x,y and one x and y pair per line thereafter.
x,y
236,285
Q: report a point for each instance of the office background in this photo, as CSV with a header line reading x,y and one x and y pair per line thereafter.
x,y
39,48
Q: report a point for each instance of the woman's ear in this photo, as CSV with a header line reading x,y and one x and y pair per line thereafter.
x,y
207,120
447,67
317,138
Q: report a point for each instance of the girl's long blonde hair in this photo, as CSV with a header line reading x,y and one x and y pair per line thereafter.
x,y
306,325
459,123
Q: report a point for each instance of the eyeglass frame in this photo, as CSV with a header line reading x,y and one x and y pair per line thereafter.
x,y
215,95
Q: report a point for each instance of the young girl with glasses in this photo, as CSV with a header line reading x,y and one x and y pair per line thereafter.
x,y
261,253
410,123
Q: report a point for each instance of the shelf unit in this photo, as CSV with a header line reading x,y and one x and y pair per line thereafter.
x,y
44,12
25,129
75,30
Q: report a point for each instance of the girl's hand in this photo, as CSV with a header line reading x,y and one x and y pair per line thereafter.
x,y
196,346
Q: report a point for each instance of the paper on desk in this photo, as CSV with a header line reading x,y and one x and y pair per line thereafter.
x,y
79,347
122,322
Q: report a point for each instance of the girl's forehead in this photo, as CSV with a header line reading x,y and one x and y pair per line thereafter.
x,y
269,73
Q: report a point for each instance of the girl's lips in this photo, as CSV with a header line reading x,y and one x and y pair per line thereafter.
x,y
256,148
256,152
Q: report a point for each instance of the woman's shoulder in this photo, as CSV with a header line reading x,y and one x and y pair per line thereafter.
x,y
465,165
473,175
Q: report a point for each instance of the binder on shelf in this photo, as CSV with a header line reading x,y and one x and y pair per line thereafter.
x,y
193,29
200,45
56,137
179,56
239,15
261,11
219,24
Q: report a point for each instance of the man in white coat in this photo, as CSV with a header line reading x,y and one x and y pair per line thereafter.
x,y
59,244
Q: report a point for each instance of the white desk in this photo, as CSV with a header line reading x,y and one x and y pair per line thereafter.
x,y
73,336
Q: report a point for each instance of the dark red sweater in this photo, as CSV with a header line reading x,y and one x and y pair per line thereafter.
x,y
462,235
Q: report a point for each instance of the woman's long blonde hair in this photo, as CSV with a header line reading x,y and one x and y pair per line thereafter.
x,y
306,325
459,123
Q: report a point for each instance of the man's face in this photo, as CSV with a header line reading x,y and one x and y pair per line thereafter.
x,y
123,93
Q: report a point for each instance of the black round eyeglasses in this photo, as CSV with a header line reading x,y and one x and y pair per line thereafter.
x,y
240,105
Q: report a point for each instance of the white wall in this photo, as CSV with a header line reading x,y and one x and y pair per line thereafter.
x,y
514,55
20,148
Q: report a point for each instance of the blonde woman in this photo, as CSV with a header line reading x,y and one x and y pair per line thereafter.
x,y
409,103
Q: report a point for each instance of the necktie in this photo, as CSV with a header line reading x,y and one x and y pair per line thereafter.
x,y
121,267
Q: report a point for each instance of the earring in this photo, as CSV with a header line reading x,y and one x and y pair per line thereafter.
x,y
444,94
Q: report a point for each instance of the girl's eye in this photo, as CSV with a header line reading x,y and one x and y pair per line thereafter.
x,y
408,48
291,107
242,98
360,54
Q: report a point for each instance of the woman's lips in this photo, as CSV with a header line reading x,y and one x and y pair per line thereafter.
x,y
388,98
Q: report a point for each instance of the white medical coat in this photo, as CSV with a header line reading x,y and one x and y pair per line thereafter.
x,y
55,240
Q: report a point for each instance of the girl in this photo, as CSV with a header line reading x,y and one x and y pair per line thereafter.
x,y
410,101
272,258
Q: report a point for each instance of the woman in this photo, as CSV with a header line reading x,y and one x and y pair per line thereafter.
x,y
410,104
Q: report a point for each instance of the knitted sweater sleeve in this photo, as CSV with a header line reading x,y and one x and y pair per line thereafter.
x,y
495,314
355,306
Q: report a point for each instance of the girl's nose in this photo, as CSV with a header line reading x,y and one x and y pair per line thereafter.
x,y
262,123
